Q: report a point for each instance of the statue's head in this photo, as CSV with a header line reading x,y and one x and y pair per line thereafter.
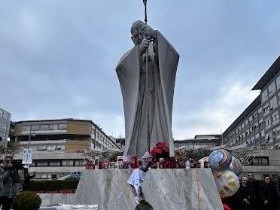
x,y
139,30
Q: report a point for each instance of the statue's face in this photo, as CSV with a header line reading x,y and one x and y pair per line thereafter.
x,y
137,35
140,30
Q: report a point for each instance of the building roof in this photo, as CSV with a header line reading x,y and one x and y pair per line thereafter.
x,y
54,120
269,74
66,119
186,141
207,136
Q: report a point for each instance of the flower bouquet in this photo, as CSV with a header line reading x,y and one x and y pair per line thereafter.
x,y
161,150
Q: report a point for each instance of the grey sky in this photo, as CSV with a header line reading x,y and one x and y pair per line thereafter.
x,y
58,58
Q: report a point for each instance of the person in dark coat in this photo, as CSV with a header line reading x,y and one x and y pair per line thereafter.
x,y
27,178
244,195
268,195
255,192
9,183
276,181
144,205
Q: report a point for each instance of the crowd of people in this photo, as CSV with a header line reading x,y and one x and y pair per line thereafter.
x,y
255,195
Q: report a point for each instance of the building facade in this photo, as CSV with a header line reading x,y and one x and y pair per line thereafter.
x,y
59,146
258,127
5,119
255,134
206,142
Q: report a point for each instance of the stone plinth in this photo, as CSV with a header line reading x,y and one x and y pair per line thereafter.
x,y
165,189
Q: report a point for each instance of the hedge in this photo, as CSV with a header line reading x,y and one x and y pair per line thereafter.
x,y
52,185
27,200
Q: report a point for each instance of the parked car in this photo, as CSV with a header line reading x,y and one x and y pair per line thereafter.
x,y
71,176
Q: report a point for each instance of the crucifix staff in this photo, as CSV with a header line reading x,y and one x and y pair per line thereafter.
x,y
145,5
147,81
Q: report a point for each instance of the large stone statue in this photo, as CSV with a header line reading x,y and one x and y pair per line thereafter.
x,y
147,90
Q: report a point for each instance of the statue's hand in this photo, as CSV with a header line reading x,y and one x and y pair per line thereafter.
x,y
144,45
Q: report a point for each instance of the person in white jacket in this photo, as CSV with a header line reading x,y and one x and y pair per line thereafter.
x,y
138,176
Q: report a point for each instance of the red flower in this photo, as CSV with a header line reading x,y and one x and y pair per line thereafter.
x,y
161,150
155,151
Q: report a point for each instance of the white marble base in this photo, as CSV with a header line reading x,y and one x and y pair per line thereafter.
x,y
164,189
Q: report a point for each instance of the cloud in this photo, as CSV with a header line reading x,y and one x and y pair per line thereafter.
x,y
58,58
217,116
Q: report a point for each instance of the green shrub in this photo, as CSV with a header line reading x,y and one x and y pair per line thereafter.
x,y
52,185
27,201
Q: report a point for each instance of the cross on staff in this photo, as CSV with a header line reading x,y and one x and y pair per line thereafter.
x,y
147,81
145,6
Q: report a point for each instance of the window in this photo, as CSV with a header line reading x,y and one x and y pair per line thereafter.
x,y
67,163
268,122
273,103
51,147
250,119
53,126
266,108
55,163
26,128
59,147
264,95
44,127
62,126
271,88
35,127
275,117
257,136
278,81
42,147
262,161
80,163
42,164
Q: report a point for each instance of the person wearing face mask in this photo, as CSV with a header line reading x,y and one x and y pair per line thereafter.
x,y
9,183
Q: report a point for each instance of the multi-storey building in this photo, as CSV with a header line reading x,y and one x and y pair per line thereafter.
x,y
248,130
257,129
259,125
5,118
206,142
59,146
269,85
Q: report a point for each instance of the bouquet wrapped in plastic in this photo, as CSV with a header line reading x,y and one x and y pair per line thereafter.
x,y
161,150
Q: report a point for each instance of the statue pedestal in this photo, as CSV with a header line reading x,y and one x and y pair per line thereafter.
x,y
164,189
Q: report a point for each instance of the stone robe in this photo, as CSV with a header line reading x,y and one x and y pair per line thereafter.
x,y
148,113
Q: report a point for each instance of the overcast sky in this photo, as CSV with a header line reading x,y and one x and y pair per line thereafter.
x,y
58,58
